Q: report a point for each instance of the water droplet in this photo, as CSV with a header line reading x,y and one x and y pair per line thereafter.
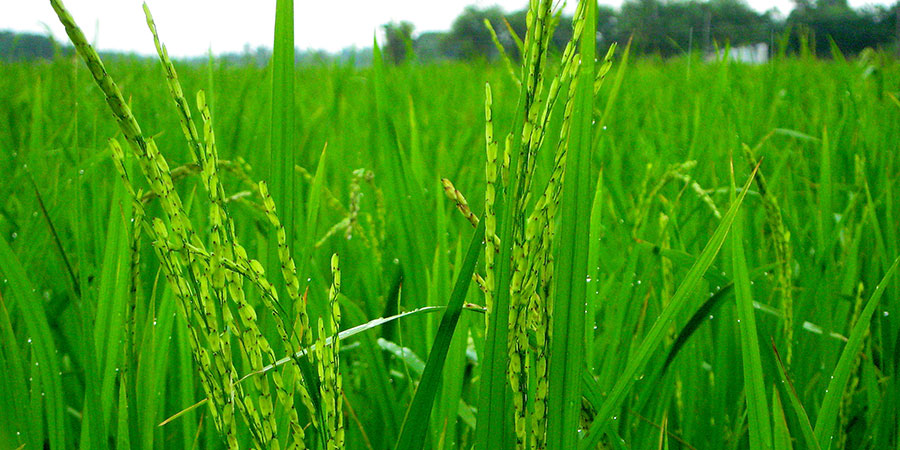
x,y
588,279
886,314
29,340
15,235
80,171
711,317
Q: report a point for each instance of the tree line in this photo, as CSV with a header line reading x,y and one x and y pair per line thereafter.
x,y
665,28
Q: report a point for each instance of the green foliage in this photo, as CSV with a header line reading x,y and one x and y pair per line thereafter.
x,y
26,46
851,30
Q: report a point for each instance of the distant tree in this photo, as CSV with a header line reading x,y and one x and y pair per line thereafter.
x,y
399,41
667,28
735,22
26,46
670,28
469,38
641,19
851,30
607,26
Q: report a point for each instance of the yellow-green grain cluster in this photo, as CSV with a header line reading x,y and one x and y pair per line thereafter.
x,y
207,273
460,200
328,365
675,172
490,198
533,216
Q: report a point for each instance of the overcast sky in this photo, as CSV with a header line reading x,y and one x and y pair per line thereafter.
x,y
191,27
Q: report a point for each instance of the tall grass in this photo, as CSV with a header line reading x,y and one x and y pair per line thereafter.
x,y
723,308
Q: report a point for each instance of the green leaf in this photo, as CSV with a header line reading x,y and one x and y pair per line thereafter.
x,y
374,323
796,405
781,438
754,385
400,187
281,146
415,425
656,334
109,323
796,135
571,272
834,393
312,211
18,413
824,199
30,304
594,251
123,440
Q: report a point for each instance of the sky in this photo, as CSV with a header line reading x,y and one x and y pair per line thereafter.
x,y
192,27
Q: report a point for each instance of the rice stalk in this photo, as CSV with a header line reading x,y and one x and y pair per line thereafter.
x,y
328,365
780,240
502,51
209,283
853,384
355,196
490,199
649,193
460,200
532,133
527,284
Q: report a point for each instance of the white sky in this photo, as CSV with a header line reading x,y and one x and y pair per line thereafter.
x,y
191,27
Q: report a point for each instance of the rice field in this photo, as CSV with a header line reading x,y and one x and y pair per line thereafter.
x,y
586,249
